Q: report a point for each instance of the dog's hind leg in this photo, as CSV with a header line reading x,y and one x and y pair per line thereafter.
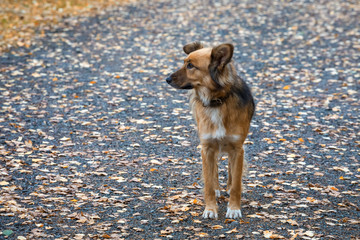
x,y
229,181
216,183
209,160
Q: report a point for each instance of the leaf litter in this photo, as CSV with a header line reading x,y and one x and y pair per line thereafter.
x,y
95,145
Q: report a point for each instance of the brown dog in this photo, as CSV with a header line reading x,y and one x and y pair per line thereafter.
x,y
223,106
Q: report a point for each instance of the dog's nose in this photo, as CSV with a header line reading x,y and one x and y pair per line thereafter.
x,y
168,79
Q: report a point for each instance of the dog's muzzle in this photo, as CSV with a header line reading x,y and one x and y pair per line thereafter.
x,y
169,79
172,81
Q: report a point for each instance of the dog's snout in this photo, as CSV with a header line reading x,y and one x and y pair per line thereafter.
x,y
169,79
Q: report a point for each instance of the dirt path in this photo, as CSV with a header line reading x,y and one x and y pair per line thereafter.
x,y
95,145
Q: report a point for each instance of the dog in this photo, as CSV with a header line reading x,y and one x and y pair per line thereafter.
x,y
223,106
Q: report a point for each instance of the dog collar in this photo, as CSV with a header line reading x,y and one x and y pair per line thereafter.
x,y
217,102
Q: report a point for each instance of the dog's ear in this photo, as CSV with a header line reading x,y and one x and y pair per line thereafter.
x,y
220,56
189,48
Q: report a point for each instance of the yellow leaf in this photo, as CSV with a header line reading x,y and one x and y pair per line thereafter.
x,y
309,233
282,139
267,234
3,183
301,140
194,214
73,200
82,220
35,160
286,87
271,235
292,222
334,188
195,201
203,234
341,178
55,79
36,75
310,199
229,220
93,82
243,222
217,227
28,143
232,231
153,169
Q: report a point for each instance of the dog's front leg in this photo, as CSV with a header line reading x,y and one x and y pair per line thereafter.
x,y
209,160
236,161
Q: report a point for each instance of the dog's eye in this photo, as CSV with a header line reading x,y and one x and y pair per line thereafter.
x,y
190,66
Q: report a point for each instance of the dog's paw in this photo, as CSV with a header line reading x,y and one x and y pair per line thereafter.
x,y
233,213
217,193
210,214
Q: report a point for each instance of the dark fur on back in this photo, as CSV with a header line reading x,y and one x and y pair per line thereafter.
x,y
243,92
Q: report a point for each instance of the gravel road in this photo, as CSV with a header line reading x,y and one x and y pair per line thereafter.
x,y
95,145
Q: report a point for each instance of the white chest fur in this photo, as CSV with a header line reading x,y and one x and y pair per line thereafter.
x,y
219,131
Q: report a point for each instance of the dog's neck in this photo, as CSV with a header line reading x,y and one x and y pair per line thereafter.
x,y
217,102
209,100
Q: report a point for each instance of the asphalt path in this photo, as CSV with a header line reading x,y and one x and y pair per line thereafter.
x,y
95,145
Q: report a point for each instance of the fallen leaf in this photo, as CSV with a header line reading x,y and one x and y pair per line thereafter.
x,y
4,183
155,162
7,232
309,233
234,230
217,227
272,235
202,234
79,236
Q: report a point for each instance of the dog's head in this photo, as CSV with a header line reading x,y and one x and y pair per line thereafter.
x,y
203,67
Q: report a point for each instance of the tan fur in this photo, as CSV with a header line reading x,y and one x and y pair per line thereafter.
x,y
221,129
